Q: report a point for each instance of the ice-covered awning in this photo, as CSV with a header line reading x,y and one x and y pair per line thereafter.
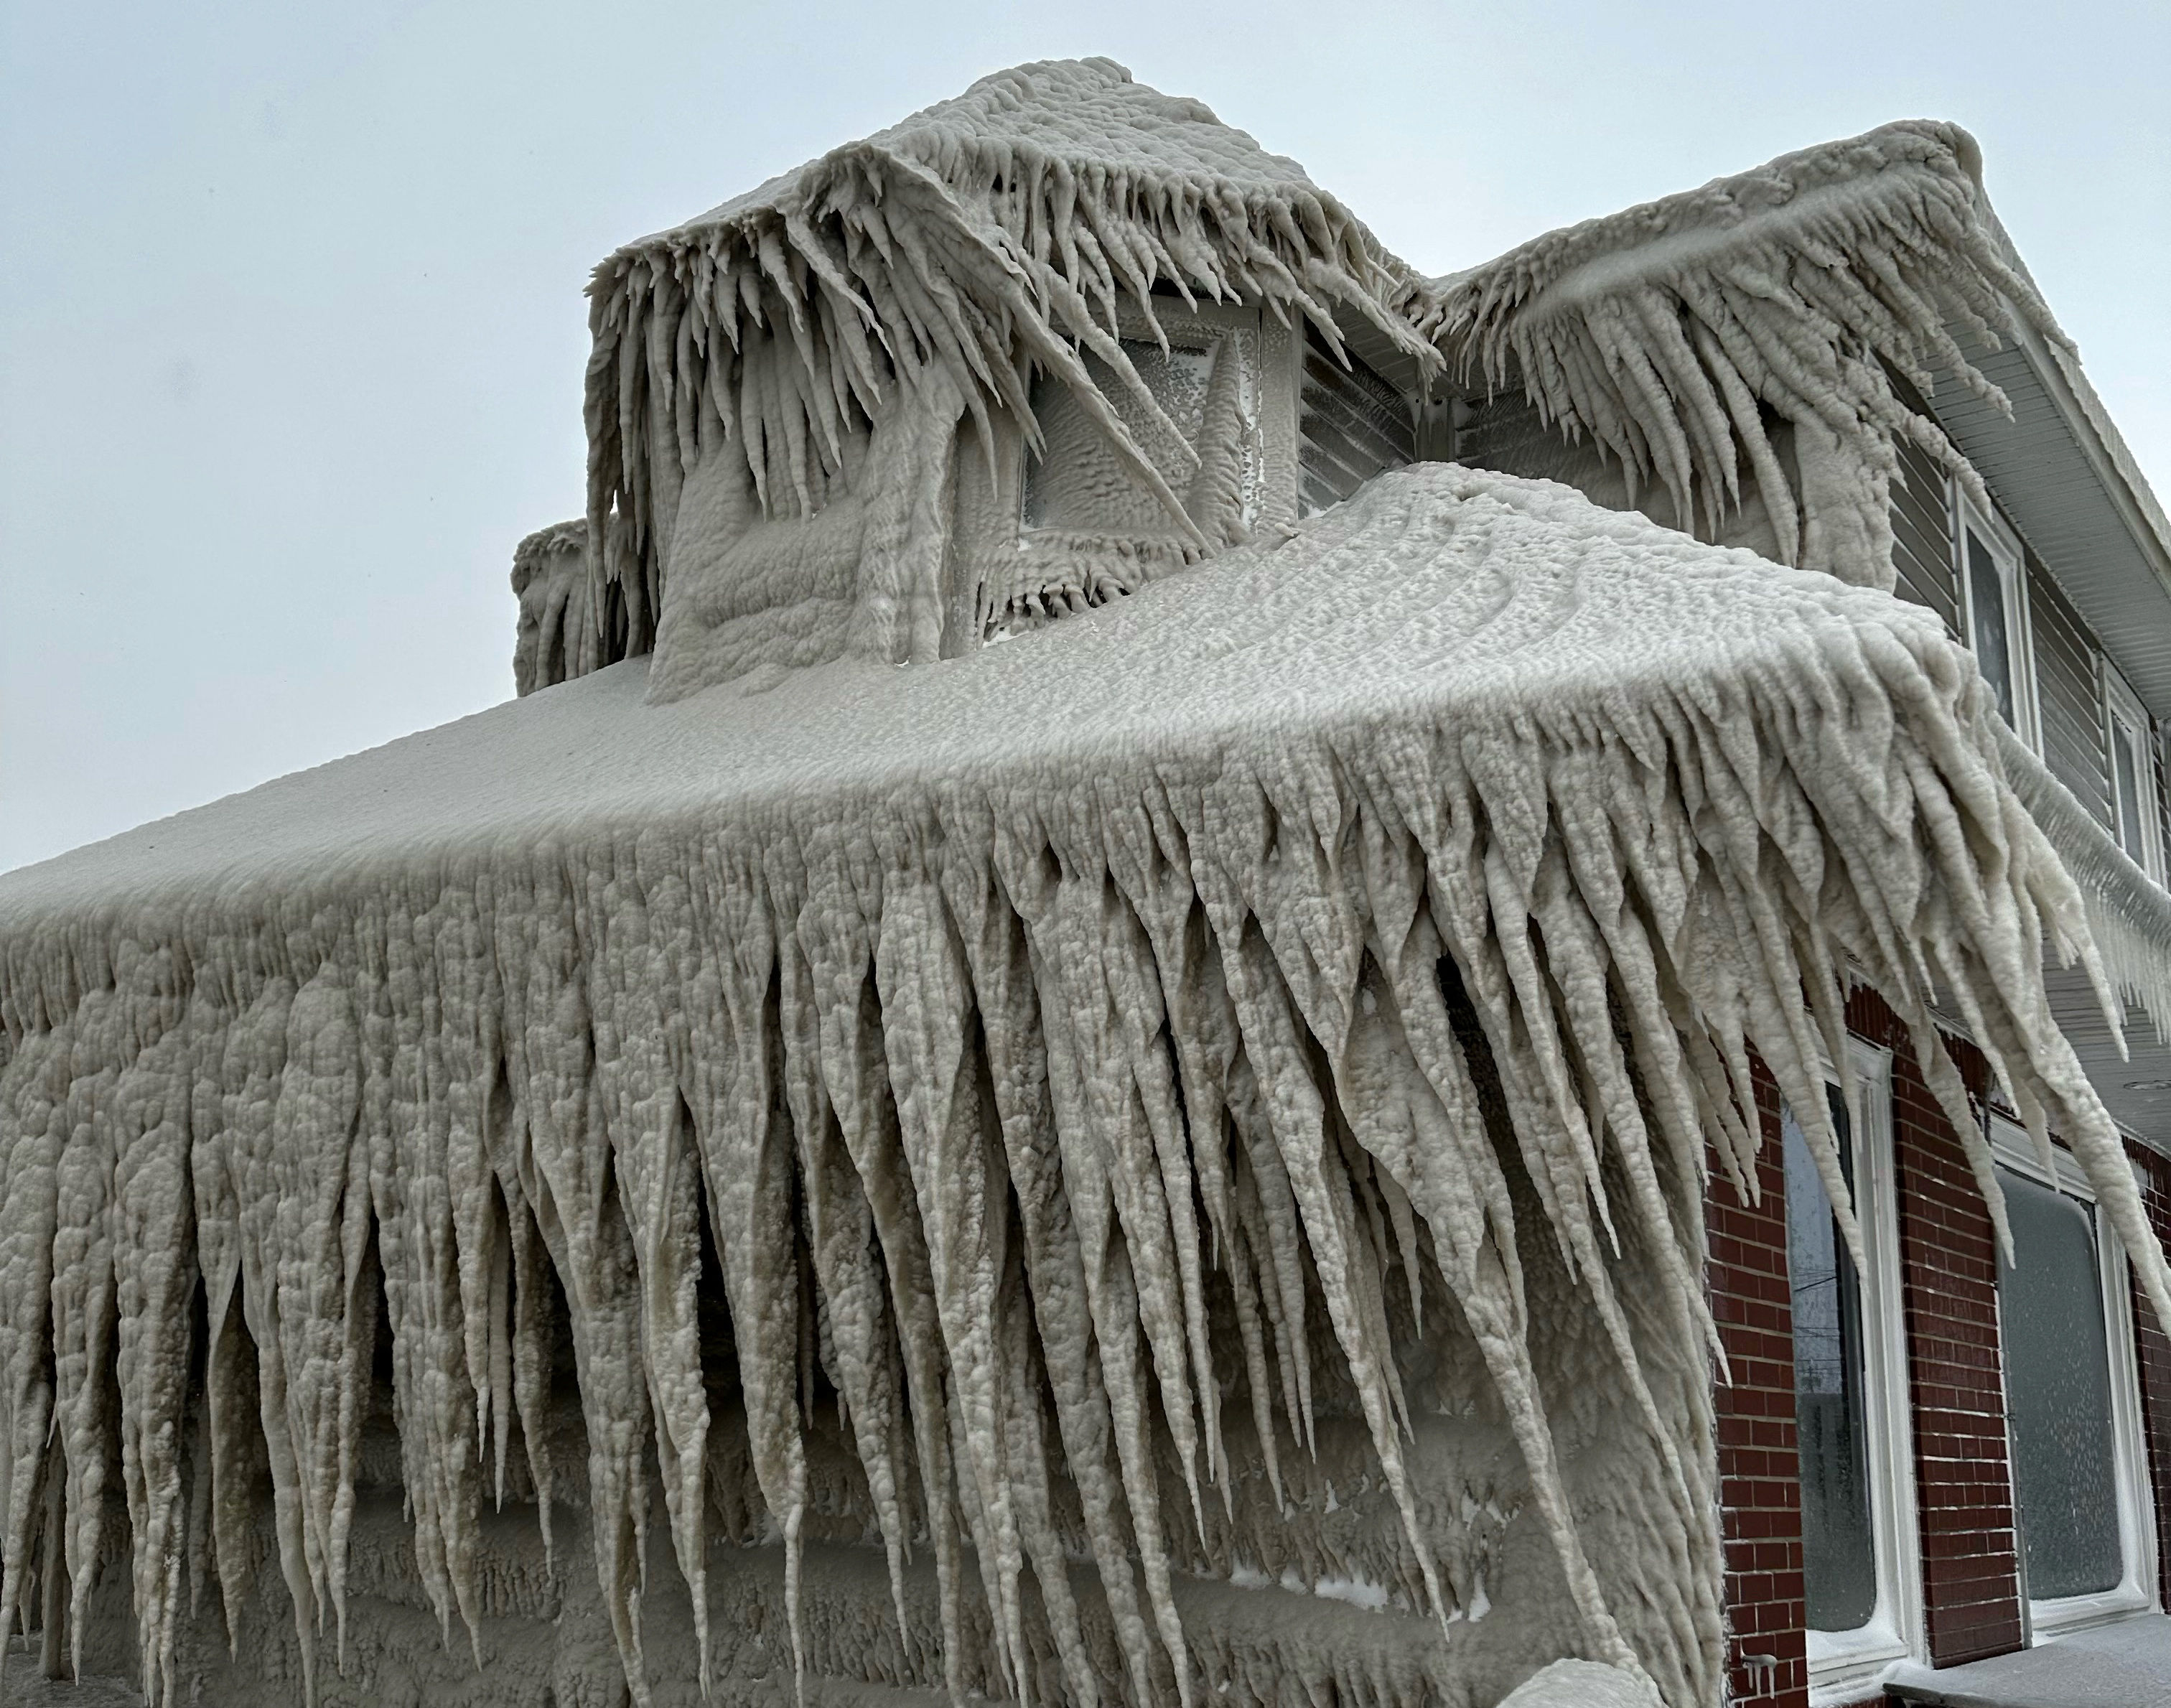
x,y
1266,936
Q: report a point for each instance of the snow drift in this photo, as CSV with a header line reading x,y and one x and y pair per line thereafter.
x,y
1293,1006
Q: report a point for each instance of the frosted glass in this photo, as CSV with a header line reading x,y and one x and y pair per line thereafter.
x,y
2057,1386
2122,746
1993,644
1838,1554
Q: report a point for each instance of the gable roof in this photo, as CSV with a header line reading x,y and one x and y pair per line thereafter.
x,y
1680,333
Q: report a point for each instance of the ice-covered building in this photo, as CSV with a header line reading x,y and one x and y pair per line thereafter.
x,y
1416,1081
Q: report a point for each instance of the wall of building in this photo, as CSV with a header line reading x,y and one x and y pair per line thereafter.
x,y
1758,1474
1970,1554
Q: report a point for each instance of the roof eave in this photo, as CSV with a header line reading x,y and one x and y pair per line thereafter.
x,y
2068,482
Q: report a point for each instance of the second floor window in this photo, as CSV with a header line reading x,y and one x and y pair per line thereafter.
x,y
1994,603
2072,1394
2133,774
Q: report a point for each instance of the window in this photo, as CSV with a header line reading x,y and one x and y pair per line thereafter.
x,y
1839,1554
1068,522
2132,774
1995,605
1207,382
2080,1484
1860,1570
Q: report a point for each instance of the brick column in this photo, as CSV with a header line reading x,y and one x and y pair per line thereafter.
x,y
1948,1276
1759,1470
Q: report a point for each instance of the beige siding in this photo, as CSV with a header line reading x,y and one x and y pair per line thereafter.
x,y
1352,426
1922,537
2068,696
1503,432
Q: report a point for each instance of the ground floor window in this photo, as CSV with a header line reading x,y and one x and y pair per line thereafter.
x,y
2058,1394
2080,1483
1860,1560
1839,1551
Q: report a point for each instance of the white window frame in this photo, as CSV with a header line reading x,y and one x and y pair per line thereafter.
x,y
1841,1662
2012,582
2123,707
2136,1592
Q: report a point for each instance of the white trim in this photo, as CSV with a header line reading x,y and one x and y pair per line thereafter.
x,y
2136,1592
1841,1663
2012,579
2122,706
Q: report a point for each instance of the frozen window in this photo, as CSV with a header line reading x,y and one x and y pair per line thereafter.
x,y
1996,616
2058,1394
1206,384
1839,1554
2132,773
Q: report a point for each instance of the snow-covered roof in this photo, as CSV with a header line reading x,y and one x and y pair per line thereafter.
x,y
1618,778
1594,608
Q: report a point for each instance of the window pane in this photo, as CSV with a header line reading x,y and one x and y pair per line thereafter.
x,y
2125,759
1839,1560
2057,1381
1993,644
1077,483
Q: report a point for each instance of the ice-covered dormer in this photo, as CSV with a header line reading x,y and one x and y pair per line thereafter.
x,y
1004,359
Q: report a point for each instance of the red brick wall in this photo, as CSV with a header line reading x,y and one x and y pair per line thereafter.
x,y
1948,1276
1760,1485
2154,1349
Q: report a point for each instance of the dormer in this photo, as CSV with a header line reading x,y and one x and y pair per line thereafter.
x,y
1009,359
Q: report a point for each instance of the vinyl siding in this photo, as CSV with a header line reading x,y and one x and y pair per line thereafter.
x,y
2068,697
1923,557
1351,425
1503,431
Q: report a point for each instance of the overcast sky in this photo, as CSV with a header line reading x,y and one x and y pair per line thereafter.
x,y
291,325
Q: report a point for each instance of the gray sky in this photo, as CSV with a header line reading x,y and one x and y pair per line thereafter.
x,y
291,325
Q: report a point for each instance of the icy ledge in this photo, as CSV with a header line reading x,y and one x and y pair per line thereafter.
x,y
1182,948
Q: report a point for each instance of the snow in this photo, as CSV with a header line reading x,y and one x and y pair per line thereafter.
x,y
2126,1664
1083,996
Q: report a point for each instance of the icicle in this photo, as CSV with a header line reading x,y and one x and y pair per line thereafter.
x,y
1661,330
1003,1086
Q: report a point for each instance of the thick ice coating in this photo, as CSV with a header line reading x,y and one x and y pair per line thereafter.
x,y
809,396
903,285
1265,1029
1741,338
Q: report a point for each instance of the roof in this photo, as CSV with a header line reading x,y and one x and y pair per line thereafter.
x,y
1680,333
1513,598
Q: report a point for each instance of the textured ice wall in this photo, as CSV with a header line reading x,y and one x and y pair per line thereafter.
x,y
558,636
1383,918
